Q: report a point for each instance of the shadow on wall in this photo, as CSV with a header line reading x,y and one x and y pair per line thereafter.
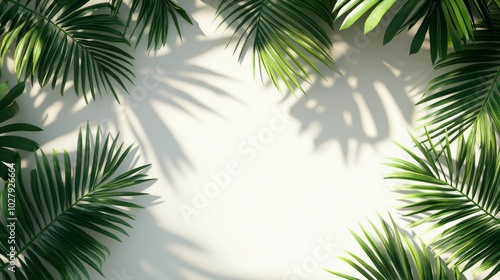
x,y
166,84
157,256
354,108
160,80
163,78
151,255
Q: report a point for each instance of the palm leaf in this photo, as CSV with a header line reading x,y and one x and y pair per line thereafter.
x,y
394,254
458,196
352,10
9,143
65,208
483,8
285,36
443,21
155,15
52,39
469,90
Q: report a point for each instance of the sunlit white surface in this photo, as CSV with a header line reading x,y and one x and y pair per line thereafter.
x,y
251,184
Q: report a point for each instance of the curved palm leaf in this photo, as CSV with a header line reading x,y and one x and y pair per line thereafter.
x,y
442,20
54,38
285,36
9,109
157,15
461,193
352,10
395,255
65,206
469,91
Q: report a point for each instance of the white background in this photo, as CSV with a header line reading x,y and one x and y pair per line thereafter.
x,y
192,109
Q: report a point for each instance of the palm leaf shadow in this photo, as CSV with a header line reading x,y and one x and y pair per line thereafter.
x,y
158,254
47,107
355,109
160,80
164,82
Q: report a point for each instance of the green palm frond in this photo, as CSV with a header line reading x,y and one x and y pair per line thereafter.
x,y
394,254
284,36
8,142
458,196
66,207
483,8
53,39
156,15
444,21
352,10
469,91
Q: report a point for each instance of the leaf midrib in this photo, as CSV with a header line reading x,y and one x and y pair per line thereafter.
x,y
491,215
490,90
44,229
43,17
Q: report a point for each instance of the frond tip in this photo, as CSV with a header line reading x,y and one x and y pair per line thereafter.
x,y
394,254
60,41
66,207
9,143
156,15
459,193
468,92
285,36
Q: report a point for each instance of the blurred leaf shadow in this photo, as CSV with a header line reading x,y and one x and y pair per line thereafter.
x,y
158,254
168,79
155,250
162,78
357,107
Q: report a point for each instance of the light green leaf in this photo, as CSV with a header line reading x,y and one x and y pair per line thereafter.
x,y
286,37
377,14
50,39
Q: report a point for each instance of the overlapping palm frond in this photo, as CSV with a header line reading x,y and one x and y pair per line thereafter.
x,y
457,195
61,214
443,21
8,110
284,36
53,40
469,92
394,254
156,15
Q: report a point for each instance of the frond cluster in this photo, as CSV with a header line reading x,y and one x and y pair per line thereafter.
x,y
65,207
79,44
451,185
283,36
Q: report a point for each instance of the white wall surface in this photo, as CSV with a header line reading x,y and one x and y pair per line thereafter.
x,y
314,171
